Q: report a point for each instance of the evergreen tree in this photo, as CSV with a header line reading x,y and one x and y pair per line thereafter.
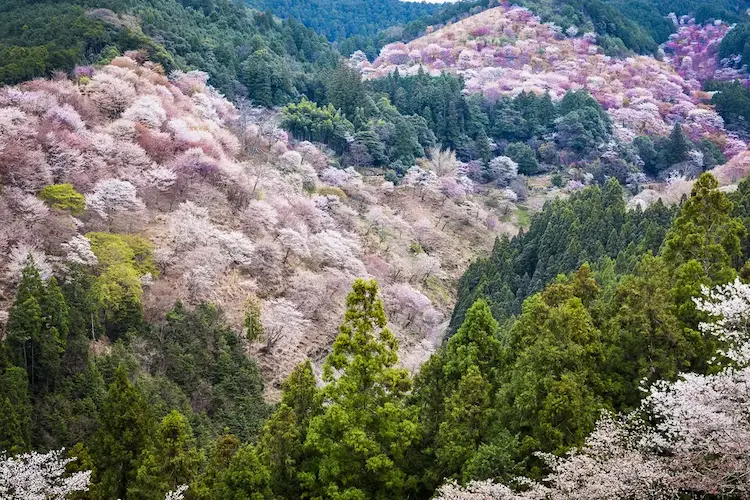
x,y
220,456
549,395
360,441
125,433
245,478
467,420
643,337
171,461
524,156
677,147
344,90
281,442
25,321
706,232
15,410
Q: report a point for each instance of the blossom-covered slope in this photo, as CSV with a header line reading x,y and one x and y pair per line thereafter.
x,y
694,52
233,210
507,50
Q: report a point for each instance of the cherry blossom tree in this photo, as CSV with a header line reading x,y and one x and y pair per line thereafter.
x,y
293,243
112,197
281,318
23,254
78,251
40,476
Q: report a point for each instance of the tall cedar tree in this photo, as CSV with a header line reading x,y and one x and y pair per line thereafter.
x,y
125,433
361,439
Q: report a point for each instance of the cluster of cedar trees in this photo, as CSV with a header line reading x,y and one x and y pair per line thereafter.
x,y
556,325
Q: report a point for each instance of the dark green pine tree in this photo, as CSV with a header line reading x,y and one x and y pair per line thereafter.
x,y
677,147
15,410
125,433
361,440
473,349
25,321
281,442
171,461
245,478
345,90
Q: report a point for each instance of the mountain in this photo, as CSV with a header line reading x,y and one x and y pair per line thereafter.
x,y
508,50
221,37
339,19
229,216
506,258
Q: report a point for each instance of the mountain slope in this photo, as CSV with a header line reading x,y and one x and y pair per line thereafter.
x,y
508,50
230,210
243,51
339,19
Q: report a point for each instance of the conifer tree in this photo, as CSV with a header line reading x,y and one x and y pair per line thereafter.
x,y
281,442
677,147
706,231
361,439
15,410
25,321
466,368
170,462
125,433
245,478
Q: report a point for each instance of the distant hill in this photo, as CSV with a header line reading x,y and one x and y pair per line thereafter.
x,y
242,50
339,19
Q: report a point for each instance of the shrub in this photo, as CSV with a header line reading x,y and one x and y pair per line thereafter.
x,y
63,197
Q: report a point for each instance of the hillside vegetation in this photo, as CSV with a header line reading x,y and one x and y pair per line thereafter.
x,y
508,259
246,53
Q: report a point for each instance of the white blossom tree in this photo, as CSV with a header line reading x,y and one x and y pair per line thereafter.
x,y
113,196
39,476
280,318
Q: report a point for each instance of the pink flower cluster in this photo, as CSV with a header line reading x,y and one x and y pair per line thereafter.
x,y
693,51
507,50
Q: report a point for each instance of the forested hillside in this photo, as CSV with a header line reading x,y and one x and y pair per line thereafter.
x,y
246,53
338,19
506,258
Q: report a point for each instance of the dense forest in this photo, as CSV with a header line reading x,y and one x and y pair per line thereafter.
x,y
246,53
480,257
339,20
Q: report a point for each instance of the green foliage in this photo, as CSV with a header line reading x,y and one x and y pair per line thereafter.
x,y
466,368
171,461
38,328
338,20
15,410
732,101
524,156
344,89
549,395
196,350
360,440
677,146
309,122
38,38
282,439
245,478
126,432
123,260
63,197
588,226
253,325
